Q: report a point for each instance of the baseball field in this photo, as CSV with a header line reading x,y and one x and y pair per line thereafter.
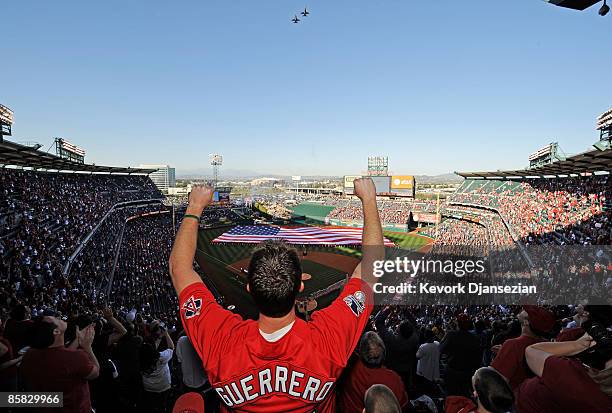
x,y
225,266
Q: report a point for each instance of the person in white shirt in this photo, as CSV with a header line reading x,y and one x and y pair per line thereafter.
x,y
194,376
156,379
428,364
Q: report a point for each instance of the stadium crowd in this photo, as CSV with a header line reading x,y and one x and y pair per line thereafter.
x,y
102,326
539,208
391,212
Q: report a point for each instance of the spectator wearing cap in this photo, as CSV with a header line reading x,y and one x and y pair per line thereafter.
x,y
510,361
368,371
48,366
565,384
491,392
464,356
380,399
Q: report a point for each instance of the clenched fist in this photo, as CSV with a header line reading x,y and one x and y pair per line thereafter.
x,y
365,189
201,196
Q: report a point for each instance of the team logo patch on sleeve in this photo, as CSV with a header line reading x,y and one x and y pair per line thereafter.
x,y
192,307
356,302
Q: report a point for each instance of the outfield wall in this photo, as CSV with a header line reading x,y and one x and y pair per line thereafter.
x,y
359,224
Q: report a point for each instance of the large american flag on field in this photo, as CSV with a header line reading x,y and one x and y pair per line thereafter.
x,y
295,235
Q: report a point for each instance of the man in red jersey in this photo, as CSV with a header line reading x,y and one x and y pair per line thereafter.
x,y
279,362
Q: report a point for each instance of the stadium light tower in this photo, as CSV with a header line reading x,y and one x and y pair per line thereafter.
x,y
216,161
604,126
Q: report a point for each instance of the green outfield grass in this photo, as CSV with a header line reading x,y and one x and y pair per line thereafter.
x,y
407,241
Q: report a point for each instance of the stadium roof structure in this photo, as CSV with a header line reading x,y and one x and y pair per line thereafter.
x,y
574,4
587,162
14,154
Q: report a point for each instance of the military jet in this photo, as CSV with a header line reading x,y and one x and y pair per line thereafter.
x,y
581,5
295,19
305,12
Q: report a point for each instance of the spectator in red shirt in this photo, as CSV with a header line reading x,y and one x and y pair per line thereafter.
x,y
48,366
491,391
510,360
369,370
564,384
380,399
8,366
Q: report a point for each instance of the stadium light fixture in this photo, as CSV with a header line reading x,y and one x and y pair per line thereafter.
x,y
604,9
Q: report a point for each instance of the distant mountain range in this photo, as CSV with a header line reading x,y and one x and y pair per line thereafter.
x,y
245,174
438,179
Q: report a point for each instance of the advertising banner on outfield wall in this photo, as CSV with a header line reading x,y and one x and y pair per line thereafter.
x,y
402,182
425,217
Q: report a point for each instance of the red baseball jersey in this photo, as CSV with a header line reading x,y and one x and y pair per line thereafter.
x,y
294,374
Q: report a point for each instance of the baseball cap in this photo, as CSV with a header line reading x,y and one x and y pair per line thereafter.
x,y
540,318
189,403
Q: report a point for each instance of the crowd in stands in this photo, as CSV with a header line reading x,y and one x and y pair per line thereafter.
x,y
525,359
223,215
541,207
103,327
562,227
458,236
390,211
276,209
142,267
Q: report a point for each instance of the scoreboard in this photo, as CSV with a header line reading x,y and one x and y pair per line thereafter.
x,y
221,196
396,185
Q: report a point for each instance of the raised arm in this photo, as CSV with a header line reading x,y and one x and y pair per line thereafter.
x,y
372,241
183,251
118,328
536,354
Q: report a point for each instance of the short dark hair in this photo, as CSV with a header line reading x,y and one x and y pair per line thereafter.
x,y
275,276
429,336
380,399
372,350
40,333
493,390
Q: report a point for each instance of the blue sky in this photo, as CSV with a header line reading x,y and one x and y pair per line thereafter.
x,y
437,86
